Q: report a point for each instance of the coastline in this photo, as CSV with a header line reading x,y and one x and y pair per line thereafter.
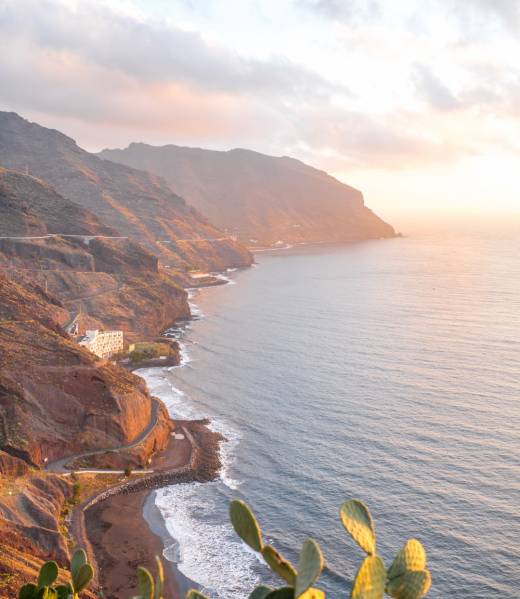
x,y
126,530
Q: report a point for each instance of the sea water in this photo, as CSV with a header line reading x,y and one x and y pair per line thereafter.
x,y
387,371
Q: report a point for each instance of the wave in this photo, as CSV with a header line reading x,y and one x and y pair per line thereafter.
x,y
196,312
222,277
204,550
207,552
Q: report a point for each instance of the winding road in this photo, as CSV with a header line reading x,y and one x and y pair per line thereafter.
x,y
60,466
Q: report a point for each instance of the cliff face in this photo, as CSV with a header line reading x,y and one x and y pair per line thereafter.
x,y
32,207
113,280
57,398
137,204
30,510
263,198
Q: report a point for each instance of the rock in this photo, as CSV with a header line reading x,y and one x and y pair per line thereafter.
x,y
261,197
138,205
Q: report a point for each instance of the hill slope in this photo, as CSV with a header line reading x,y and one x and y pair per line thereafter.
x,y
260,197
31,207
135,203
113,281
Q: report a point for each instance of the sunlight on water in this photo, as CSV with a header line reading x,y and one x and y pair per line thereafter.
x,y
387,371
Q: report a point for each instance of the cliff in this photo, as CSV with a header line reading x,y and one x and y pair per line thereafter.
x,y
115,281
134,203
31,207
31,506
262,198
57,398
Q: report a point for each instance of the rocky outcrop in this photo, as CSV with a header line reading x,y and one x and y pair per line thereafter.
x,y
138,205
56,398
264,199
30,529
113,281
11,466
30,207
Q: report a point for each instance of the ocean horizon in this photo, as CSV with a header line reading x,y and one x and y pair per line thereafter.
x,y
384,371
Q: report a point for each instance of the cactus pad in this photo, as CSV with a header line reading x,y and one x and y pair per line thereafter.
x,y
78,559
281,593
145,583
313,594
370,579
82,577
48,574
358,522
28,591
261,592
159,581
193,594
279,564
245,524
410,585
411,557
310,565
64,591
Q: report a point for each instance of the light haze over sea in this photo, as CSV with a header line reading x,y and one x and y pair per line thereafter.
x,y
387,371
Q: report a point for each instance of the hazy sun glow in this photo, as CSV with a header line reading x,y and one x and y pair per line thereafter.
x,y
414,103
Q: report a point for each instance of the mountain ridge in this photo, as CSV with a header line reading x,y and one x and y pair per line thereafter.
x,y
133,202
264,199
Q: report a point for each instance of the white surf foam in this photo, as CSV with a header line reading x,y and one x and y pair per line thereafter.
x,y
180,406
205,551
196,312
222,277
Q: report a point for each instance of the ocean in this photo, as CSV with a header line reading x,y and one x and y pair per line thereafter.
x,y
387,371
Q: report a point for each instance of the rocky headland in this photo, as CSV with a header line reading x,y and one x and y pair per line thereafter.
x,y
263,199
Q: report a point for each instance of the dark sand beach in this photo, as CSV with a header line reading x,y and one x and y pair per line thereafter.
x,y
126,530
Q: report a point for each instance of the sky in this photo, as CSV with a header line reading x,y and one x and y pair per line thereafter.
x,y
416,103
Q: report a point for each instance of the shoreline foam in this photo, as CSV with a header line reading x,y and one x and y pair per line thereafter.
x,y
186,510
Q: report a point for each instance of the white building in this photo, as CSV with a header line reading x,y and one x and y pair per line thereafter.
x,y
103,343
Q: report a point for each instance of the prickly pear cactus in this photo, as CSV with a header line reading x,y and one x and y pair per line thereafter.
x,y
81,572
411,557
310,565
358,522
370,579
148,587
413,584
245,524
279,565
261,592
48,574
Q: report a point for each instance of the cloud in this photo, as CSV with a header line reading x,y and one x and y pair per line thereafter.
x,y
341,10
478,14
109,76
432,89
153,51
358,140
